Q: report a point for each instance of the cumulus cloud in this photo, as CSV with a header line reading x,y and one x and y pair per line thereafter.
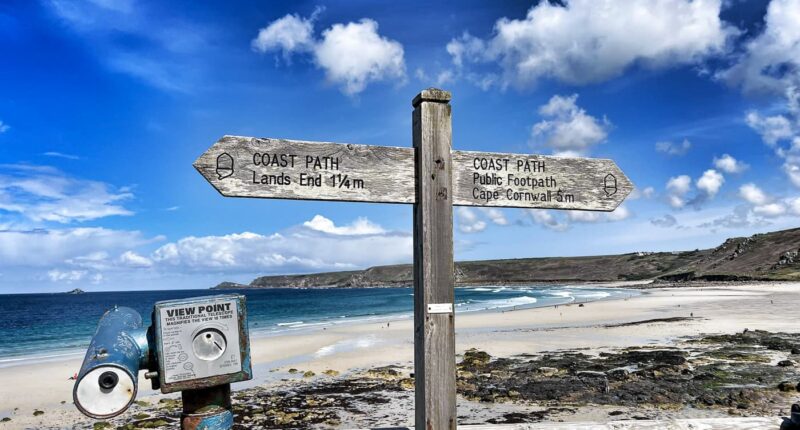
x,y
90,254
66,276
642,193
132,259
563,220
764,205
585,41
352,55
468,221
358,227
770,209
752,194
474,220
710,182
677,188
728,164
316,245
770,62
772,128
3,127
82,247
289,34
42,193
671,148
781,132
567,129
544,218
495,215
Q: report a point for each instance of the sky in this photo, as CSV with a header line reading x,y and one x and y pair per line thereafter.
x,y
105,104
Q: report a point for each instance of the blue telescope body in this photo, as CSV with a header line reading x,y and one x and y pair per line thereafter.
x,y
107,382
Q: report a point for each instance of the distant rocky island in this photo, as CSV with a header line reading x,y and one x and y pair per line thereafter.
x,y
771,256
76,291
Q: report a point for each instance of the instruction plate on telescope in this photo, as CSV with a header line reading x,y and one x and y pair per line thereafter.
x,y
199,339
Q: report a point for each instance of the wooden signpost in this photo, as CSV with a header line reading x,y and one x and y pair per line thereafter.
x,y
434,178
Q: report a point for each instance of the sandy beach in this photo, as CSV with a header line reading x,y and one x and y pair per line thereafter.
x,y
596,326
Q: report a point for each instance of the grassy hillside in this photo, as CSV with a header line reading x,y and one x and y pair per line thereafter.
x,y
770,256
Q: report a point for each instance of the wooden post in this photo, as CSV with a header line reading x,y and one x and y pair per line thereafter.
x,y
434,329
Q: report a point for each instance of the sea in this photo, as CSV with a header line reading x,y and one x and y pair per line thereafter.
x,y
42,327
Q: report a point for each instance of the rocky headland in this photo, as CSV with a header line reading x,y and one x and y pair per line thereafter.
x,y
762,257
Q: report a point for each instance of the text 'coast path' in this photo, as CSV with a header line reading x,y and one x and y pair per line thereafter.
x,y
292,169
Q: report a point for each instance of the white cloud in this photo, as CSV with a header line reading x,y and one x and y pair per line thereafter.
x,y
69,276
646,193
545,218
782,133
468,221
289,34
310,247
84,247
752,194
770,209
728,164
710,182
132,259
563,220
3,127
620,213
352,55
588,41
770,62
792,169
794,205
772,128
670,148
583,216
568,129
677,188
495,215
41,193
764,205
358,227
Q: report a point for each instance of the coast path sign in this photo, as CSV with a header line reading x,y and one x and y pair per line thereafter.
x,y
292,169
433,178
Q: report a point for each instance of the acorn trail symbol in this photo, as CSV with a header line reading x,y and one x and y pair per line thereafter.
x,y
224,165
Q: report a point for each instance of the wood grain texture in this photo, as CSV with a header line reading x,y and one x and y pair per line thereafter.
x,y
375,173
434,334
381,174
536,181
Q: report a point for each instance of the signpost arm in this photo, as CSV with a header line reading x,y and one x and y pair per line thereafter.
x,y
434,328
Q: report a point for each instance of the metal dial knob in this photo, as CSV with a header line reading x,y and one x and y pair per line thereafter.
x,y
209,344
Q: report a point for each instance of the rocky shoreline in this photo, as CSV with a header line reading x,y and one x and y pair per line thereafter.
x,y
752,373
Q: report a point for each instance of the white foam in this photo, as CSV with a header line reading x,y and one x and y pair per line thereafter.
x,y
284,324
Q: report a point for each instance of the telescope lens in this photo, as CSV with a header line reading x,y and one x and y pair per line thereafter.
x,y
108,380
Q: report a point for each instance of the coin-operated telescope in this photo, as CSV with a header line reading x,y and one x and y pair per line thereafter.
x,y
197,346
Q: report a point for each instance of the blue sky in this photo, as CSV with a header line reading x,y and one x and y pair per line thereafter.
x,y
105,104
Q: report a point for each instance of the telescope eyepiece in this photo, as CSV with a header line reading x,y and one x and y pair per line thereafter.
x,y
108,380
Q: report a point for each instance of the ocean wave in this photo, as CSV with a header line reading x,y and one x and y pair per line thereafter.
x,y
596,295
560,293
283,324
